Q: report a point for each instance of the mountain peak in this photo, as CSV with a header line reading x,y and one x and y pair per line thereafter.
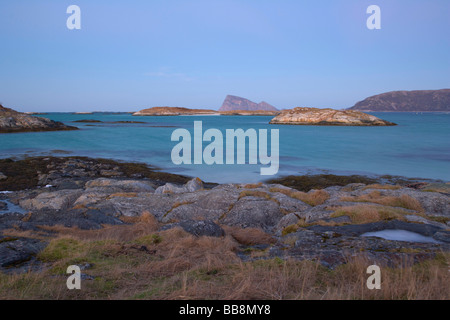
x,y
232,103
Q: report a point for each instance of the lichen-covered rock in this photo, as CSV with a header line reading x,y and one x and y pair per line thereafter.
x,y
57,200
287,220
253,212
191,186
123,185
200,228
443,236
210,205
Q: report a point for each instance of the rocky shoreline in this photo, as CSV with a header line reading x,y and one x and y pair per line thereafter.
x,y
321,224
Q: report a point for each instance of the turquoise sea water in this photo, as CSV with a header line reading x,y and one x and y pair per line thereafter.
x,y
419,147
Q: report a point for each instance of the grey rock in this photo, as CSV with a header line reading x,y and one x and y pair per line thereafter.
x,y
170,188
14,252
91,197
319,212
443,236
43,179
253,212
84,276
2,176
57,200
198,228
99,217
86,266
3,206
194,185
287,220
110,173
289,204
307,238
191,186
414,218
341,219
205,205
124,185
90,220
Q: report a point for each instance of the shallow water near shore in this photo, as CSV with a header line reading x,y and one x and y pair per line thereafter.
x,y
11,208
419,147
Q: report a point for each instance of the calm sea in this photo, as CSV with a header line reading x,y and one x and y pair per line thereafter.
x,y
419,147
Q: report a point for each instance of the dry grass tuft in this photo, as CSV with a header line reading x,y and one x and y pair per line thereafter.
x,y
404,201
313,198
254,193
181,266
361,214
142,225
123,194
252,185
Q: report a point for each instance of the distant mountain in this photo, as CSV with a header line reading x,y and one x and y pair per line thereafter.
x,y
418,100
233,103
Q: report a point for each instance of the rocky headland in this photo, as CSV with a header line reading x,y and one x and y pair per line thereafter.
x,y
328,117
409,101
234,103
13,121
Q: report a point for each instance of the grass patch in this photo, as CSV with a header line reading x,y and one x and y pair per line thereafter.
x,y
314,198
188,267
290,229
254,193
439,219
252,185
404,201
123,195
361,214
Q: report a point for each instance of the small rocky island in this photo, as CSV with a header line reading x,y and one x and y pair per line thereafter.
x,y
328,117
13,121
250,113
173,111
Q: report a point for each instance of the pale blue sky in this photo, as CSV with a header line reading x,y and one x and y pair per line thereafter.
x,y
135,54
